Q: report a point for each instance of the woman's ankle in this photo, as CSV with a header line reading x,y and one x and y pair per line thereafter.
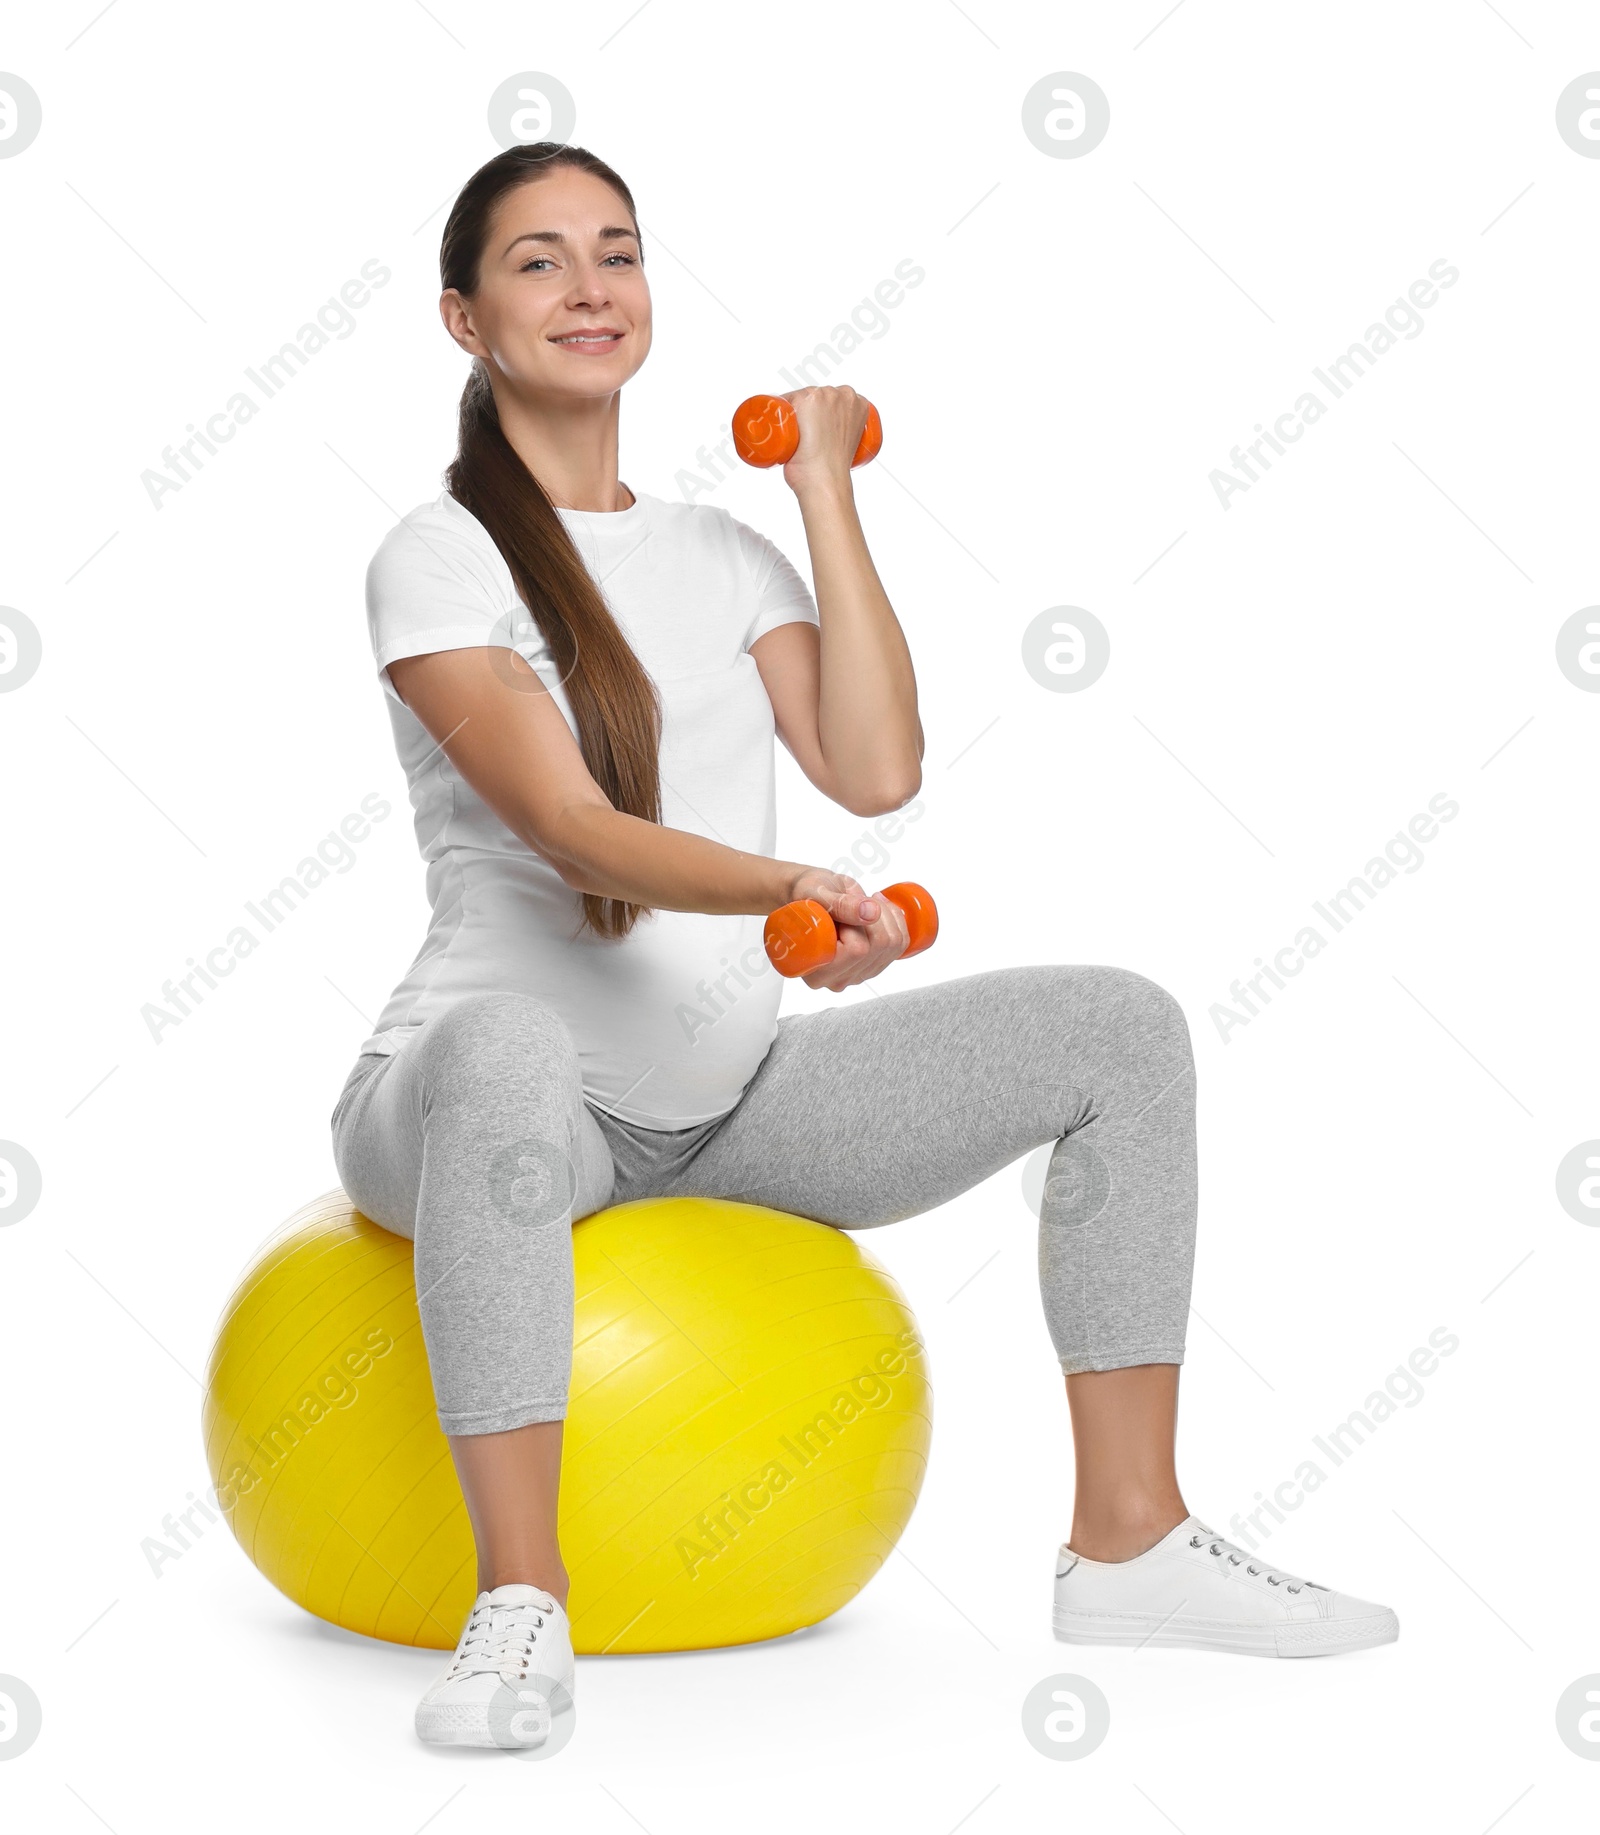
x,y
1128,1530
549,1578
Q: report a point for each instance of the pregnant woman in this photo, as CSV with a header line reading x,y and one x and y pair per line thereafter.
x,y
585,684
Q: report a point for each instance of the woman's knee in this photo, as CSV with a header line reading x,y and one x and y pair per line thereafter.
x,y
1151,1058
1115,1029
1101,997
1153,1011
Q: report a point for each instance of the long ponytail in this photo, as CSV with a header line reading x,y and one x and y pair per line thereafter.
x,y
614,702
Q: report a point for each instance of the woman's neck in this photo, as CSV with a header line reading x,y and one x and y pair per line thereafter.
x,y
570,447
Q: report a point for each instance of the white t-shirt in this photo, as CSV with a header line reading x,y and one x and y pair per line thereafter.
x,y
672,1020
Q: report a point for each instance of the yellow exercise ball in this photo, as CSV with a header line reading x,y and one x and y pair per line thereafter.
x,y
746,1434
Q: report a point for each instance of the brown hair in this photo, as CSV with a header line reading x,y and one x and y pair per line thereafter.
x,y
613,700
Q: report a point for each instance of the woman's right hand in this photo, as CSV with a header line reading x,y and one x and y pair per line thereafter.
x,y
872,931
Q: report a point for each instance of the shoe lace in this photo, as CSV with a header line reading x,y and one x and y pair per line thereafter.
x,y
499,1639
1230,1552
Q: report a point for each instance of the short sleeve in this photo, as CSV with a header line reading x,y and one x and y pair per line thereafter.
x,y
782,597
430,588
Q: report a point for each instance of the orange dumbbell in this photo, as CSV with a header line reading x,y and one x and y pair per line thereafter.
x,y
766,431
801,937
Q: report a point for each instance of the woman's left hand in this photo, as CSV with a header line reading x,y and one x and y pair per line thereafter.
x,y
867,943
832,420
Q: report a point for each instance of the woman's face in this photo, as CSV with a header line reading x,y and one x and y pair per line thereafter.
x,y
562,260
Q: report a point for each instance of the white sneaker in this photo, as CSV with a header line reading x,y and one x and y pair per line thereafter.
x,y
1196,1588
512,1673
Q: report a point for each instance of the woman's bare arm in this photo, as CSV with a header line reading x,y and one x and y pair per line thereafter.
x,y
844,696
499,727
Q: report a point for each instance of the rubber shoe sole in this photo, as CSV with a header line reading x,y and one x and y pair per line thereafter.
x,y
1312,1637
447,1724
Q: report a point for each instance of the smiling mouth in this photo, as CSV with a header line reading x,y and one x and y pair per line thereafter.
x,y
590,337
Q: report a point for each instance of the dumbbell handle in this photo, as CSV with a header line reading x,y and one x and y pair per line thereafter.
x,y
766,431
801,937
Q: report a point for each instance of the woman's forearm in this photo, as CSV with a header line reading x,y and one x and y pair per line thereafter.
x,y
598,849
867,700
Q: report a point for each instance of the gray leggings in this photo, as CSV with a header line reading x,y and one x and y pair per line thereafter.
x,y
476,1141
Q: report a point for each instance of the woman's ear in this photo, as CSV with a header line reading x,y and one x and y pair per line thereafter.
x,y
457,317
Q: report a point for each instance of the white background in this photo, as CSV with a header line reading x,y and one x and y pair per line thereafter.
x,y
1373,623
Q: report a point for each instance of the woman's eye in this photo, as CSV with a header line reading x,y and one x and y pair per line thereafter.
x,y
537,260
